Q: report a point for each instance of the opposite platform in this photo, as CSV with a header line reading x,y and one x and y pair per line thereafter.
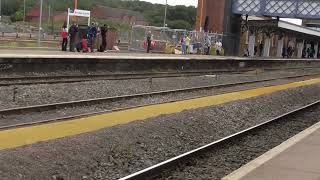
x,y
42,54
33,63
296,159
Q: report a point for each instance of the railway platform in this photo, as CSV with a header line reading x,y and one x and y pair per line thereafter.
x,y
295,159
30,63
39,53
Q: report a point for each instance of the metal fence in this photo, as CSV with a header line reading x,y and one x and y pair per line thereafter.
x,y
162,37
167,40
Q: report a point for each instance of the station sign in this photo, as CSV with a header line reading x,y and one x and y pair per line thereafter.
x,y
79,13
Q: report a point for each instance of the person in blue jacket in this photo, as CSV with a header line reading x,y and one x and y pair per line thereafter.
x,y
92,34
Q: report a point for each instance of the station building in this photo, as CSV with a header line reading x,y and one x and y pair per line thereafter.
x,y
257,36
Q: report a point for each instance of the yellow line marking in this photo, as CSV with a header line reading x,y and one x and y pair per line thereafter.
x,y
29,135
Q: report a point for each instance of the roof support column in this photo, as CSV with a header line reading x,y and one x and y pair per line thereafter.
x,y
280,47
316,48
266,47
300,49
252,41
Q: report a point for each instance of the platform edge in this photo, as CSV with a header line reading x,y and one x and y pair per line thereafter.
x,y
256,163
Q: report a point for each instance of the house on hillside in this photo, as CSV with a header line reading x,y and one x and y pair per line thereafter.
x,y
34,14
99,12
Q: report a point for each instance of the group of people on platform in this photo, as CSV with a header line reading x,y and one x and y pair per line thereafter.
x,y
207,45
88,39
186,46
306,52
287,52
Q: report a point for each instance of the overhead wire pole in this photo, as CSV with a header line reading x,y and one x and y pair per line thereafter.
x,y
49,13
76,7
165,14
40,24
0,10
75,4
24,11
201,14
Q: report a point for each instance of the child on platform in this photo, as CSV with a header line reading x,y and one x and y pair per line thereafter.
x,y
85,48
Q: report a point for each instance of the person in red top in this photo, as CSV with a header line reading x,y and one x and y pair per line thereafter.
x,y
64,35
85,44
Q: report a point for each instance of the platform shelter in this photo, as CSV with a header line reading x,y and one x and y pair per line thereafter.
x,y
275,38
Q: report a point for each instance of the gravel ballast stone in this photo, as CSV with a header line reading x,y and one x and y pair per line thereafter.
x,y
230,156
61,112
121,150
28,95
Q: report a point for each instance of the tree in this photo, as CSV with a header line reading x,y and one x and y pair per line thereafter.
x,y
9,7
179,24
178,16
18,16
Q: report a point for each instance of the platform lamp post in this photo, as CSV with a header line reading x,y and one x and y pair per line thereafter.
x,y
165,14
40,23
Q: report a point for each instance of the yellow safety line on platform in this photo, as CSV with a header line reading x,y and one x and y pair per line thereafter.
x,y
29,135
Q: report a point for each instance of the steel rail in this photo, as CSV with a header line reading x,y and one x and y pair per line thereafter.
x,y
158,169
29,80
47,107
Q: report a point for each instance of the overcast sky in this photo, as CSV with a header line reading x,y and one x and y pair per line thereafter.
x,y
195,3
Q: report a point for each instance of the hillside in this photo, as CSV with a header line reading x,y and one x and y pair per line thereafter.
x,y
179,17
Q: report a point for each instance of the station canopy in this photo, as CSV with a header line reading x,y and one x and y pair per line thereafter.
x,y
300,9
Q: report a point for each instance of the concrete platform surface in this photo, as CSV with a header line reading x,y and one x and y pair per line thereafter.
x,y
29,53
296,159
23,53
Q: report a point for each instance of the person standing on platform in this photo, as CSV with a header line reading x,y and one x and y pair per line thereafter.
x,y
188,40
64,35
207,44
92,34
149,40
183,45
104,31
218,48
73,30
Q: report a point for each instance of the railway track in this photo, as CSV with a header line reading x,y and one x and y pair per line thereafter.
x,y
30,80
85,103
174,166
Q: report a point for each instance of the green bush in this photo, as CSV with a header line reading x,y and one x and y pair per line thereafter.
x,y
18,16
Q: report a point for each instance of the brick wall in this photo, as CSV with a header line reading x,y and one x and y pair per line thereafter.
x,y
215,10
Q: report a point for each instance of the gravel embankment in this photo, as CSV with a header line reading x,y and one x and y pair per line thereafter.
x,y
8,120
26,95
118,151
225,159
